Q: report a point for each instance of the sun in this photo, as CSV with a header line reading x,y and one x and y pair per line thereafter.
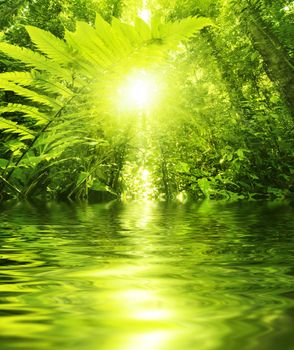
x,y
138,91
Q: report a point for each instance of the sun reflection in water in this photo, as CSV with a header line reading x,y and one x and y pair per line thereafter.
x,y
143,316
156,340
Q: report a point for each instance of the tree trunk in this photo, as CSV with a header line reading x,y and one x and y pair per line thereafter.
x,y
277,63
232,83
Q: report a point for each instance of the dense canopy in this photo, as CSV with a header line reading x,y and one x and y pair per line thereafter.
x,y
146,99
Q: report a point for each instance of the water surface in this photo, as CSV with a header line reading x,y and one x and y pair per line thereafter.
x,y
146,276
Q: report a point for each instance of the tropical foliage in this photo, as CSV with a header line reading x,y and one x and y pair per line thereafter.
x,y
223,127
236,138
62,106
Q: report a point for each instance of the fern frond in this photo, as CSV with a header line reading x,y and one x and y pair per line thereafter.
x,y
128,31
29,94
29,111
50,45
173,32
120,40
161,38
142,29
71,119
35,60
22,78
155,24
38,80
45,82
9,126
62,144
92,49
104,32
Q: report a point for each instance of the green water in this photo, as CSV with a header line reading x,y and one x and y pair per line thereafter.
x,y
146,276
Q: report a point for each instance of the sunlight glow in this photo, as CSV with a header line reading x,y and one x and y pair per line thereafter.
x,y
289,7
139,91
154,315
153,340
146,184
182,197
145,15
145,175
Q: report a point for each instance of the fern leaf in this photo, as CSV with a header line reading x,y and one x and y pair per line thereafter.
x,y
29,111
105,33
46,83
35,60
128,31
100,49
22,78
142,29
99,46
93,49
37,79
31,95
155,24
50,45
9,126
122,39
173,32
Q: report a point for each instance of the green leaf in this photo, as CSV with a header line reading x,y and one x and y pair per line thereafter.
x,y
83,176
35,60
142,29
29,94
9,126
29,111
182,167
204,185
50,45
37,79
3,163
240,154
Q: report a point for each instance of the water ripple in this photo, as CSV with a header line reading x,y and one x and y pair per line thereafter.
x,y
207,276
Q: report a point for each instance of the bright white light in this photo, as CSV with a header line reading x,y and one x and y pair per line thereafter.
x,y
145,174
155,340
153,315
289,7
182,197
145,15
139,90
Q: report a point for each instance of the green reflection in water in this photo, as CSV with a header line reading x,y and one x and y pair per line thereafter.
x,y
210,275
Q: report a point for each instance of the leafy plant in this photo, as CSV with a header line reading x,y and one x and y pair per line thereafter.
x,y
59,106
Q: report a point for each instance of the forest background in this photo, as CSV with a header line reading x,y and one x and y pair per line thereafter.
x,y
222,126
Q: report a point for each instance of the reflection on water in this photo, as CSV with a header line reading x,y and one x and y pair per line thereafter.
x,y
146,276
